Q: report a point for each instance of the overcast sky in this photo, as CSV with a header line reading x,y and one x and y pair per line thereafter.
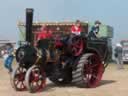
x,y
111,12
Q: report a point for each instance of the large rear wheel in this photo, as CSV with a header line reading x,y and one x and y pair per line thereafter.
x,y
89,71
35,79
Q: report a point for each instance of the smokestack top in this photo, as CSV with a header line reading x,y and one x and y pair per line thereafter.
x,y
29,10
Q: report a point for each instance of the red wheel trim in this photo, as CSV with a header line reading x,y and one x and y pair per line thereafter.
x,y
93,74
35,79
78,47
19,80
20,85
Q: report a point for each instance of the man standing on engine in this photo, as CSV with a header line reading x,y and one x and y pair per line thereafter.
x,y
94,30
76,29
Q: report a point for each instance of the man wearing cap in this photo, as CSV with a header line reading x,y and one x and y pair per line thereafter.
x,y
94,30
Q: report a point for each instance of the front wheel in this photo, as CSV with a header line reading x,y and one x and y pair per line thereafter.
x,y
35,79
18,78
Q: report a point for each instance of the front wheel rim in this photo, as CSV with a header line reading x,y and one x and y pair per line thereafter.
x,y
19,79
36,80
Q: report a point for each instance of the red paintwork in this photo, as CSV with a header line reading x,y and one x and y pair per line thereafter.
x,y
58,42
77,47
93,72
35,78
75,29
19,80
44,35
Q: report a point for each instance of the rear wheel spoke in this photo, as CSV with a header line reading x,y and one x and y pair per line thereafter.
x,y
88,78
94,76
94,65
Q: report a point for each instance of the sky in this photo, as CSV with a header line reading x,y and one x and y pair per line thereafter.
x,y
110,12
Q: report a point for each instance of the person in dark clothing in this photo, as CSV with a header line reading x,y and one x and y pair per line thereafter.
x,y
118,55
94,30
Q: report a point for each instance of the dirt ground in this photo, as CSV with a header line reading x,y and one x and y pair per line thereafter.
x,y
114,83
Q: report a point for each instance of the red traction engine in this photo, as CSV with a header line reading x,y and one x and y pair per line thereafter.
x,y
63,60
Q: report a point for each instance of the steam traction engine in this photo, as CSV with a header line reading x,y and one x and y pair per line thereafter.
x,y
63,59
